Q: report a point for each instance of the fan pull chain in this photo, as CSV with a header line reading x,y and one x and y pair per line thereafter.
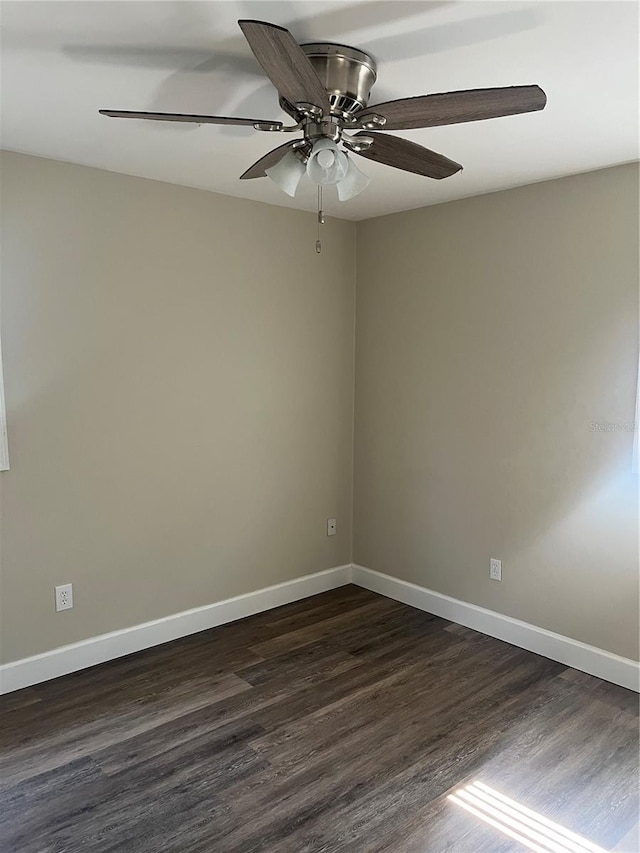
x,y
320,219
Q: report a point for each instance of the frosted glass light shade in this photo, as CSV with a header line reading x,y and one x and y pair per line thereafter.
x,y
328,174
327,166
353,182
287,173
326,158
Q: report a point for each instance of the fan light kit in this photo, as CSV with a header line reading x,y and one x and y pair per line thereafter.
x,y
325,88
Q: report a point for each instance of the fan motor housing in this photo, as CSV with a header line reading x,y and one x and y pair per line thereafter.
x,y
346,73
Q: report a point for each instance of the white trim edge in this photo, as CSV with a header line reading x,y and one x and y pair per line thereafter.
x,y
95,650
573,653
4,441
106,647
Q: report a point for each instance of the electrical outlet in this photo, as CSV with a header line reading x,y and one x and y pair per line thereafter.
x,y
331,527
64,597
495,570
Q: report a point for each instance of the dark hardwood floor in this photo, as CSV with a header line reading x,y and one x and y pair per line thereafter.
x,y
343,722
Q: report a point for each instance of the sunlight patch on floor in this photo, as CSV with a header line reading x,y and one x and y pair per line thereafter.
x,y
535,832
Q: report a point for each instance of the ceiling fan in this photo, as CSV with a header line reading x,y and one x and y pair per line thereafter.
x,y
325,88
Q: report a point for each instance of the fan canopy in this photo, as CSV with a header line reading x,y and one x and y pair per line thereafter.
x,y
347,74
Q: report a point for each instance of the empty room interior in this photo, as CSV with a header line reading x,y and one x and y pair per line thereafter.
x,y
319,427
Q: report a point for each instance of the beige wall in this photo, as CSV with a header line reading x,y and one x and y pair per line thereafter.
x,y
180,400
491,333
179,395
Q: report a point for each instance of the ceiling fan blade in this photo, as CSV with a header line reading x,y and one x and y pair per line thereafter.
x,y
285,63
194,119
408,156
456,107
258,170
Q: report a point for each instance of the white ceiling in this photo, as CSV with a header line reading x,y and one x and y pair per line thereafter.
x,y
62,61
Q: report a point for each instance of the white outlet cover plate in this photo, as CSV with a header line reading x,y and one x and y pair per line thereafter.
x,y
495,570
331,527
64,597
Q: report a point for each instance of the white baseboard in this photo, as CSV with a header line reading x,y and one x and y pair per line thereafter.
x,y
95,650
106,647
595,661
